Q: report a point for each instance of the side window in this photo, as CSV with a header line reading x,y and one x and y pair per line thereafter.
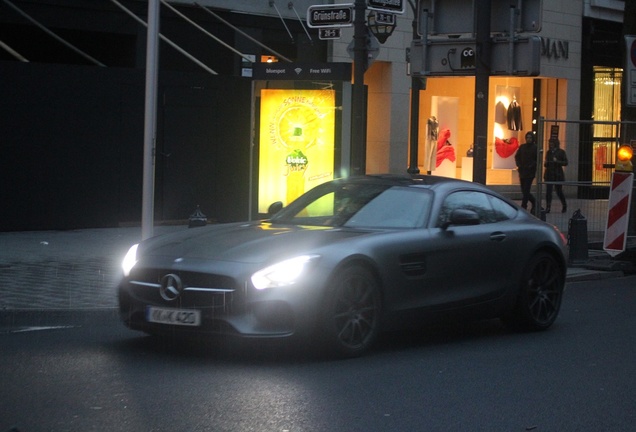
x,y
502,210
394,208
469,200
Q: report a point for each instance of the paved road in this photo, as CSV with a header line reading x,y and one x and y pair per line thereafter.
x,y
87,372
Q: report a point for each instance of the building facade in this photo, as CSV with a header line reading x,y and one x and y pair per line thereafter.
x,y
72,91
580,42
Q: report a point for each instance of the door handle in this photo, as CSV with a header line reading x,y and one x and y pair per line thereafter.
x,y
498,236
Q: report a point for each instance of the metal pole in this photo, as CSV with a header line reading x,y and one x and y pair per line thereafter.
x,y
416,86
360,57
482,81
150,122
539,175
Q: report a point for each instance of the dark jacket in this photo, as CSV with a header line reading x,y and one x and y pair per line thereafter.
x,y
526,159
514,116
555,160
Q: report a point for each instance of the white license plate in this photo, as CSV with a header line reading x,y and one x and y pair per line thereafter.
x,y
183,317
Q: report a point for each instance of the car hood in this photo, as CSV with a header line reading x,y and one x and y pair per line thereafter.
x,y
252,242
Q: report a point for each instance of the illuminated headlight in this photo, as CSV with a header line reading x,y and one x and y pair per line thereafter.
x,y
284,273
129,260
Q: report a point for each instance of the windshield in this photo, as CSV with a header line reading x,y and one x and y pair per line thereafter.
x,y
359,205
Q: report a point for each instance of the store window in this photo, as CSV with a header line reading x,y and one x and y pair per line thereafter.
x,y
607,108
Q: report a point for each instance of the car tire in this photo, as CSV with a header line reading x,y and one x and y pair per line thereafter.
x,y
351,315
540,294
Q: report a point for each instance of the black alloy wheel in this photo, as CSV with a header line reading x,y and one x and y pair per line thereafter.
x,y
540,295
352,312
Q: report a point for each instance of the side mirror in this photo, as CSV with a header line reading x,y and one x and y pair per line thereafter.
x,y
274,208
462,217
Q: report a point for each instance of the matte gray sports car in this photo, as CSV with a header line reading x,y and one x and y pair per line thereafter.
x,y
348,259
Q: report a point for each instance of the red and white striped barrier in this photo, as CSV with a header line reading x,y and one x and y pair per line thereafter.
x,y
620,198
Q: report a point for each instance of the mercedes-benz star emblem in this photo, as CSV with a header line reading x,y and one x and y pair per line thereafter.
x,y
171,287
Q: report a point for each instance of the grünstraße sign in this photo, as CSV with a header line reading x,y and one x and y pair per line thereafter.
x,y
338,15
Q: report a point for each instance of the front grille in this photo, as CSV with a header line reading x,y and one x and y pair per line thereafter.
x,y
200,290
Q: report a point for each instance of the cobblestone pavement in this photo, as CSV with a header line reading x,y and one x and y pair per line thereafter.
x,y
75,269
79,269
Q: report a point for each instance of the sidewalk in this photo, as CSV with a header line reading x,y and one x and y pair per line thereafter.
x,y
78,269
75,269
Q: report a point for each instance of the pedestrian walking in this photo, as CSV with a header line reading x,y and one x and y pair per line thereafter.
x,y
555,160
526,159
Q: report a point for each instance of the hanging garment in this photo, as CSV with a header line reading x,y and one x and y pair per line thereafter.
x,y
514,116
432,128
500,113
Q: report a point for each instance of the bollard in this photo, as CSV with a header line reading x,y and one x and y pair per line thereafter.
x,y
577,237
197,219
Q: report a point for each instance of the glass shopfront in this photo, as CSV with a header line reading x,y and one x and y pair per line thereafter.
x,y
607,108
447,123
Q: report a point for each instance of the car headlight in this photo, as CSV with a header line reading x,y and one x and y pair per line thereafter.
x,y
129,260
284,273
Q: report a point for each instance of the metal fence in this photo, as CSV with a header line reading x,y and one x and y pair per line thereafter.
x,y
591,148
593,210
591,155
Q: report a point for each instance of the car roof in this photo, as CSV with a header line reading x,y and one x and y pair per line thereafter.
x,y
437,184
426,181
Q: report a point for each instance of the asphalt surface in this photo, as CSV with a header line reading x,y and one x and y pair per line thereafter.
x,y
79,269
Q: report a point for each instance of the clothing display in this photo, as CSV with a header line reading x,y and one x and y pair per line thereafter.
x,y
501,113
432,133
432,128
506,147
514,116
445,149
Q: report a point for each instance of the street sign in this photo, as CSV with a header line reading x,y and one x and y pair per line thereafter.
x,y
338,15
385,18
329,33
393,6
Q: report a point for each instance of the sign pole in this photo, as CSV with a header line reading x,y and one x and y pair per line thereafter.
x,y
150,121
362,48
416,86
358,136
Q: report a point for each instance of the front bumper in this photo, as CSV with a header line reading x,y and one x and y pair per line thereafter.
x,y
243,311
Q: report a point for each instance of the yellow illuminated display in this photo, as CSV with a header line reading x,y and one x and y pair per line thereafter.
x,y
297,130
